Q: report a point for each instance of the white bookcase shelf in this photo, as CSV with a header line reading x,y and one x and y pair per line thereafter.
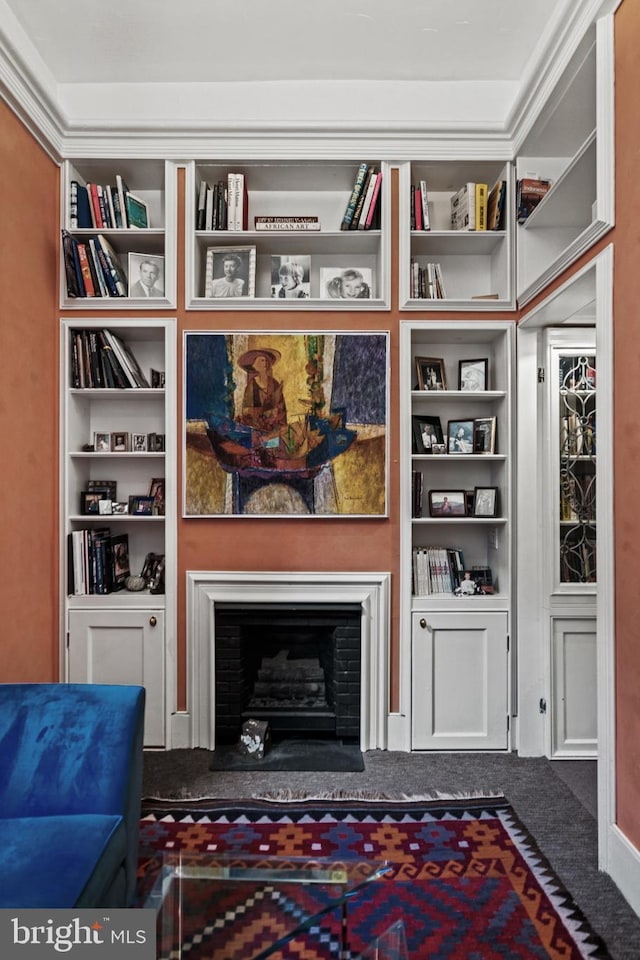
x,y
290,188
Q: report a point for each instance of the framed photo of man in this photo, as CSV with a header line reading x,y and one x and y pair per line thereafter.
x,y
146,275
230,272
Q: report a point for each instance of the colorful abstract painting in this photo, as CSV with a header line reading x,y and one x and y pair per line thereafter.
x,y
285,424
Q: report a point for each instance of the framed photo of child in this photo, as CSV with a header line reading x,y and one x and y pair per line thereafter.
x,y
290,276
346,283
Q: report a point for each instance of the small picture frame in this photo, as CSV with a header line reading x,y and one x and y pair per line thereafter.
x,y
427,431
156,492
155,442
430,372
157,379
447,503
90,501
139,442
484,435
102,442
438,448
108,487
346,283
119,442
290,276
141,506
119,507
460,434
230,272
146,276
485,502
104,507
120,552
473,375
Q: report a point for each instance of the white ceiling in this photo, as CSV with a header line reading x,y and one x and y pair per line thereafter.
x,y
196,41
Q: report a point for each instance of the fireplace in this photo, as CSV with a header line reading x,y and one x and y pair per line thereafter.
x,y
296,666
223,602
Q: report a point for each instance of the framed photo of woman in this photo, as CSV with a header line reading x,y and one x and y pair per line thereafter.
x,y
430,371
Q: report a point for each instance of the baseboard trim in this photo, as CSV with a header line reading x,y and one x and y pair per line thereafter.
x,y
180,731
624,867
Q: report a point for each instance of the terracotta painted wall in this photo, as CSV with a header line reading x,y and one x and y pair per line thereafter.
x,y
28,405
626,406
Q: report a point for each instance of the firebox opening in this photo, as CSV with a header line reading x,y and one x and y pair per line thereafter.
x,y
296,666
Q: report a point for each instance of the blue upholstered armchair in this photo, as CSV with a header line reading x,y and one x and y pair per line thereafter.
x,y
70,792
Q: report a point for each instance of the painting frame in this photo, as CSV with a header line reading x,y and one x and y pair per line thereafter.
x,y
473,375
220,283
447,503
286,424
430,373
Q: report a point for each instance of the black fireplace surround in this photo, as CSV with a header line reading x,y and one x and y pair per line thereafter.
x,y
296,665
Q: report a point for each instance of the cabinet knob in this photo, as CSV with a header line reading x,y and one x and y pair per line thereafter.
x,y
423,623
153,621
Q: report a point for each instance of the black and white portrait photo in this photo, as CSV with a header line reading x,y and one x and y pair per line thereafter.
x,y
230,272
146,275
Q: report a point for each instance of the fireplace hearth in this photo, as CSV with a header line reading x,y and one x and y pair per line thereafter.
x,y
297,666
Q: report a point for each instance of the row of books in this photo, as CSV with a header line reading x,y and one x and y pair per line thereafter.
x,y
98,562
101,359
436,570
364,204
98,207
475,207
92,269
419,210
426,281
223,206
529,192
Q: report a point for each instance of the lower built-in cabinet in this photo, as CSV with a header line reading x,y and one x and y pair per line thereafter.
x,y
574,687
122,646
460,681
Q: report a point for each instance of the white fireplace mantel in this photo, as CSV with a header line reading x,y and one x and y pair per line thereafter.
x,y
370,590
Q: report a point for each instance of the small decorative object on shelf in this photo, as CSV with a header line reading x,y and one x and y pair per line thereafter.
x,y
290,277
431,375
230,272
141,506
348,283
473,374
447,503
460,435
484,435
146,275
485,502
427,432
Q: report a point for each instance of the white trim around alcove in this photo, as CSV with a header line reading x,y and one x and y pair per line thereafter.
x,y
370,590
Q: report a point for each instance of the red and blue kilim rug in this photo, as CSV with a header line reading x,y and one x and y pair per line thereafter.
x,y
467,879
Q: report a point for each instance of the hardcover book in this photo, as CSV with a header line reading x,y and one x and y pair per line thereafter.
x,y
286,223
530,193
137,212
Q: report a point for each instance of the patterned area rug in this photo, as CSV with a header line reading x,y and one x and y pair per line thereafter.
x,y
467,879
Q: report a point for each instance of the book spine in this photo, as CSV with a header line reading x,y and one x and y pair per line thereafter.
x,y
87,277
374,210
122,189
114,266
353,199
201,206
481,206
232,200
104,210
286,226
110,207
73,205
424,200
73,289
417,207
94,206
357,213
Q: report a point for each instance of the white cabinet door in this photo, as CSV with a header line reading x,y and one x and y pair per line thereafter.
x,y
122,646
574,678
459,681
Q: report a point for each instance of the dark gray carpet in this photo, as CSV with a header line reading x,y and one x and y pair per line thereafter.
x,y
312,756
564,828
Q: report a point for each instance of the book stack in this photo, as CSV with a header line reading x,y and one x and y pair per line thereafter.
x,y
100,359
95,561
363,208
426,281
419,211
92,268
223,206
436,570
110,207
529,192
469,207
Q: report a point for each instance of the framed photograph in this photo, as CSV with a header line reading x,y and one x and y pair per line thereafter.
x,y
473,375
438,448
460,436
155,442
485,502
104,486
346,283
157,379
447,503
119,506
430,371
146,275
120,551
119,442
285,423
230,272
468,585
156,491
102,442
290,277
104,507
484,435
90,501
427,431
141,506
139,442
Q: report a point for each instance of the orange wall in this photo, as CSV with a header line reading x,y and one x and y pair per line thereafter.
x,y
28,404
626,407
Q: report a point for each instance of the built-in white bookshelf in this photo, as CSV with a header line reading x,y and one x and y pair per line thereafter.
x,y
294,188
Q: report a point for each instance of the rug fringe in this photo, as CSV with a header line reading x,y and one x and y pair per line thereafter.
x,y
290,796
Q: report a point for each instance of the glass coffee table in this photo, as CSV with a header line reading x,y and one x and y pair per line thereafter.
x,y
248,907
